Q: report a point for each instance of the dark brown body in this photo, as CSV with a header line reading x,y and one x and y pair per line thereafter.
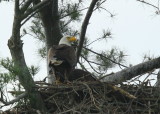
x,y
62,53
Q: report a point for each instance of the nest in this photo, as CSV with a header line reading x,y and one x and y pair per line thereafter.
x,y
96,97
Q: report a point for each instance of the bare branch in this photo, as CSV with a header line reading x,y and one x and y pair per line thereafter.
x,y
26,5
16,99
36,7
148,4
154,6
131,72
84,27
91,65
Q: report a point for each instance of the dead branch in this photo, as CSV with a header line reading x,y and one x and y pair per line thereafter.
x,y
133,71
23,95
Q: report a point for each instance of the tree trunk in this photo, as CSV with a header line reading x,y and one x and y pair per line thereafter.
x,y
15,45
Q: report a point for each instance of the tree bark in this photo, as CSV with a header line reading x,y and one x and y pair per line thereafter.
x,y
15,45
50,18
134,71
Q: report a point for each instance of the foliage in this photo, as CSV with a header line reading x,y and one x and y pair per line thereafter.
x,y
104,59
12,71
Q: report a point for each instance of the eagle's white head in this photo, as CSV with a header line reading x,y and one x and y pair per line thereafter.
x,y
67,40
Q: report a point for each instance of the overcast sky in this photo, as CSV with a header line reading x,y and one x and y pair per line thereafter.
x,y
135,30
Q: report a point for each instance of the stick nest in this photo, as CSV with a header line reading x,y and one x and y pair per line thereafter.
x,y
96,97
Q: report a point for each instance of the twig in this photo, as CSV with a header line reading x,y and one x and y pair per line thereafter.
x,y
16,99
148,4
82,66
91,65
123,92
91,95
105,57
93,42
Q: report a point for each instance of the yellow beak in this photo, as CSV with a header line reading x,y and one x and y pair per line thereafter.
x,y
72,39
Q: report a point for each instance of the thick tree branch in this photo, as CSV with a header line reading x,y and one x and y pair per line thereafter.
x,y
36,7
84,27
26,5
134,71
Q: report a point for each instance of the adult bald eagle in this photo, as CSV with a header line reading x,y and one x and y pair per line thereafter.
x,y
62,59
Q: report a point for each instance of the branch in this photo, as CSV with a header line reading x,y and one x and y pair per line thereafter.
x,y
134,71
26,5
30,17
91,65
33,9
148,4
105,57
16,99
84,27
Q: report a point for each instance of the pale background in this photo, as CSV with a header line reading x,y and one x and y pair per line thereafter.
x,y
135,30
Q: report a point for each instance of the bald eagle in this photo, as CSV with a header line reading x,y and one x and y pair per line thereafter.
x,y
62,59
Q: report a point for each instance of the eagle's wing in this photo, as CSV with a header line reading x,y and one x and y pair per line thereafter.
x,y
66,53
51,54
61,61
72,56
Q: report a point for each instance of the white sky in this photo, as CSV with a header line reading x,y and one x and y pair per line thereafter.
x,y
135,31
